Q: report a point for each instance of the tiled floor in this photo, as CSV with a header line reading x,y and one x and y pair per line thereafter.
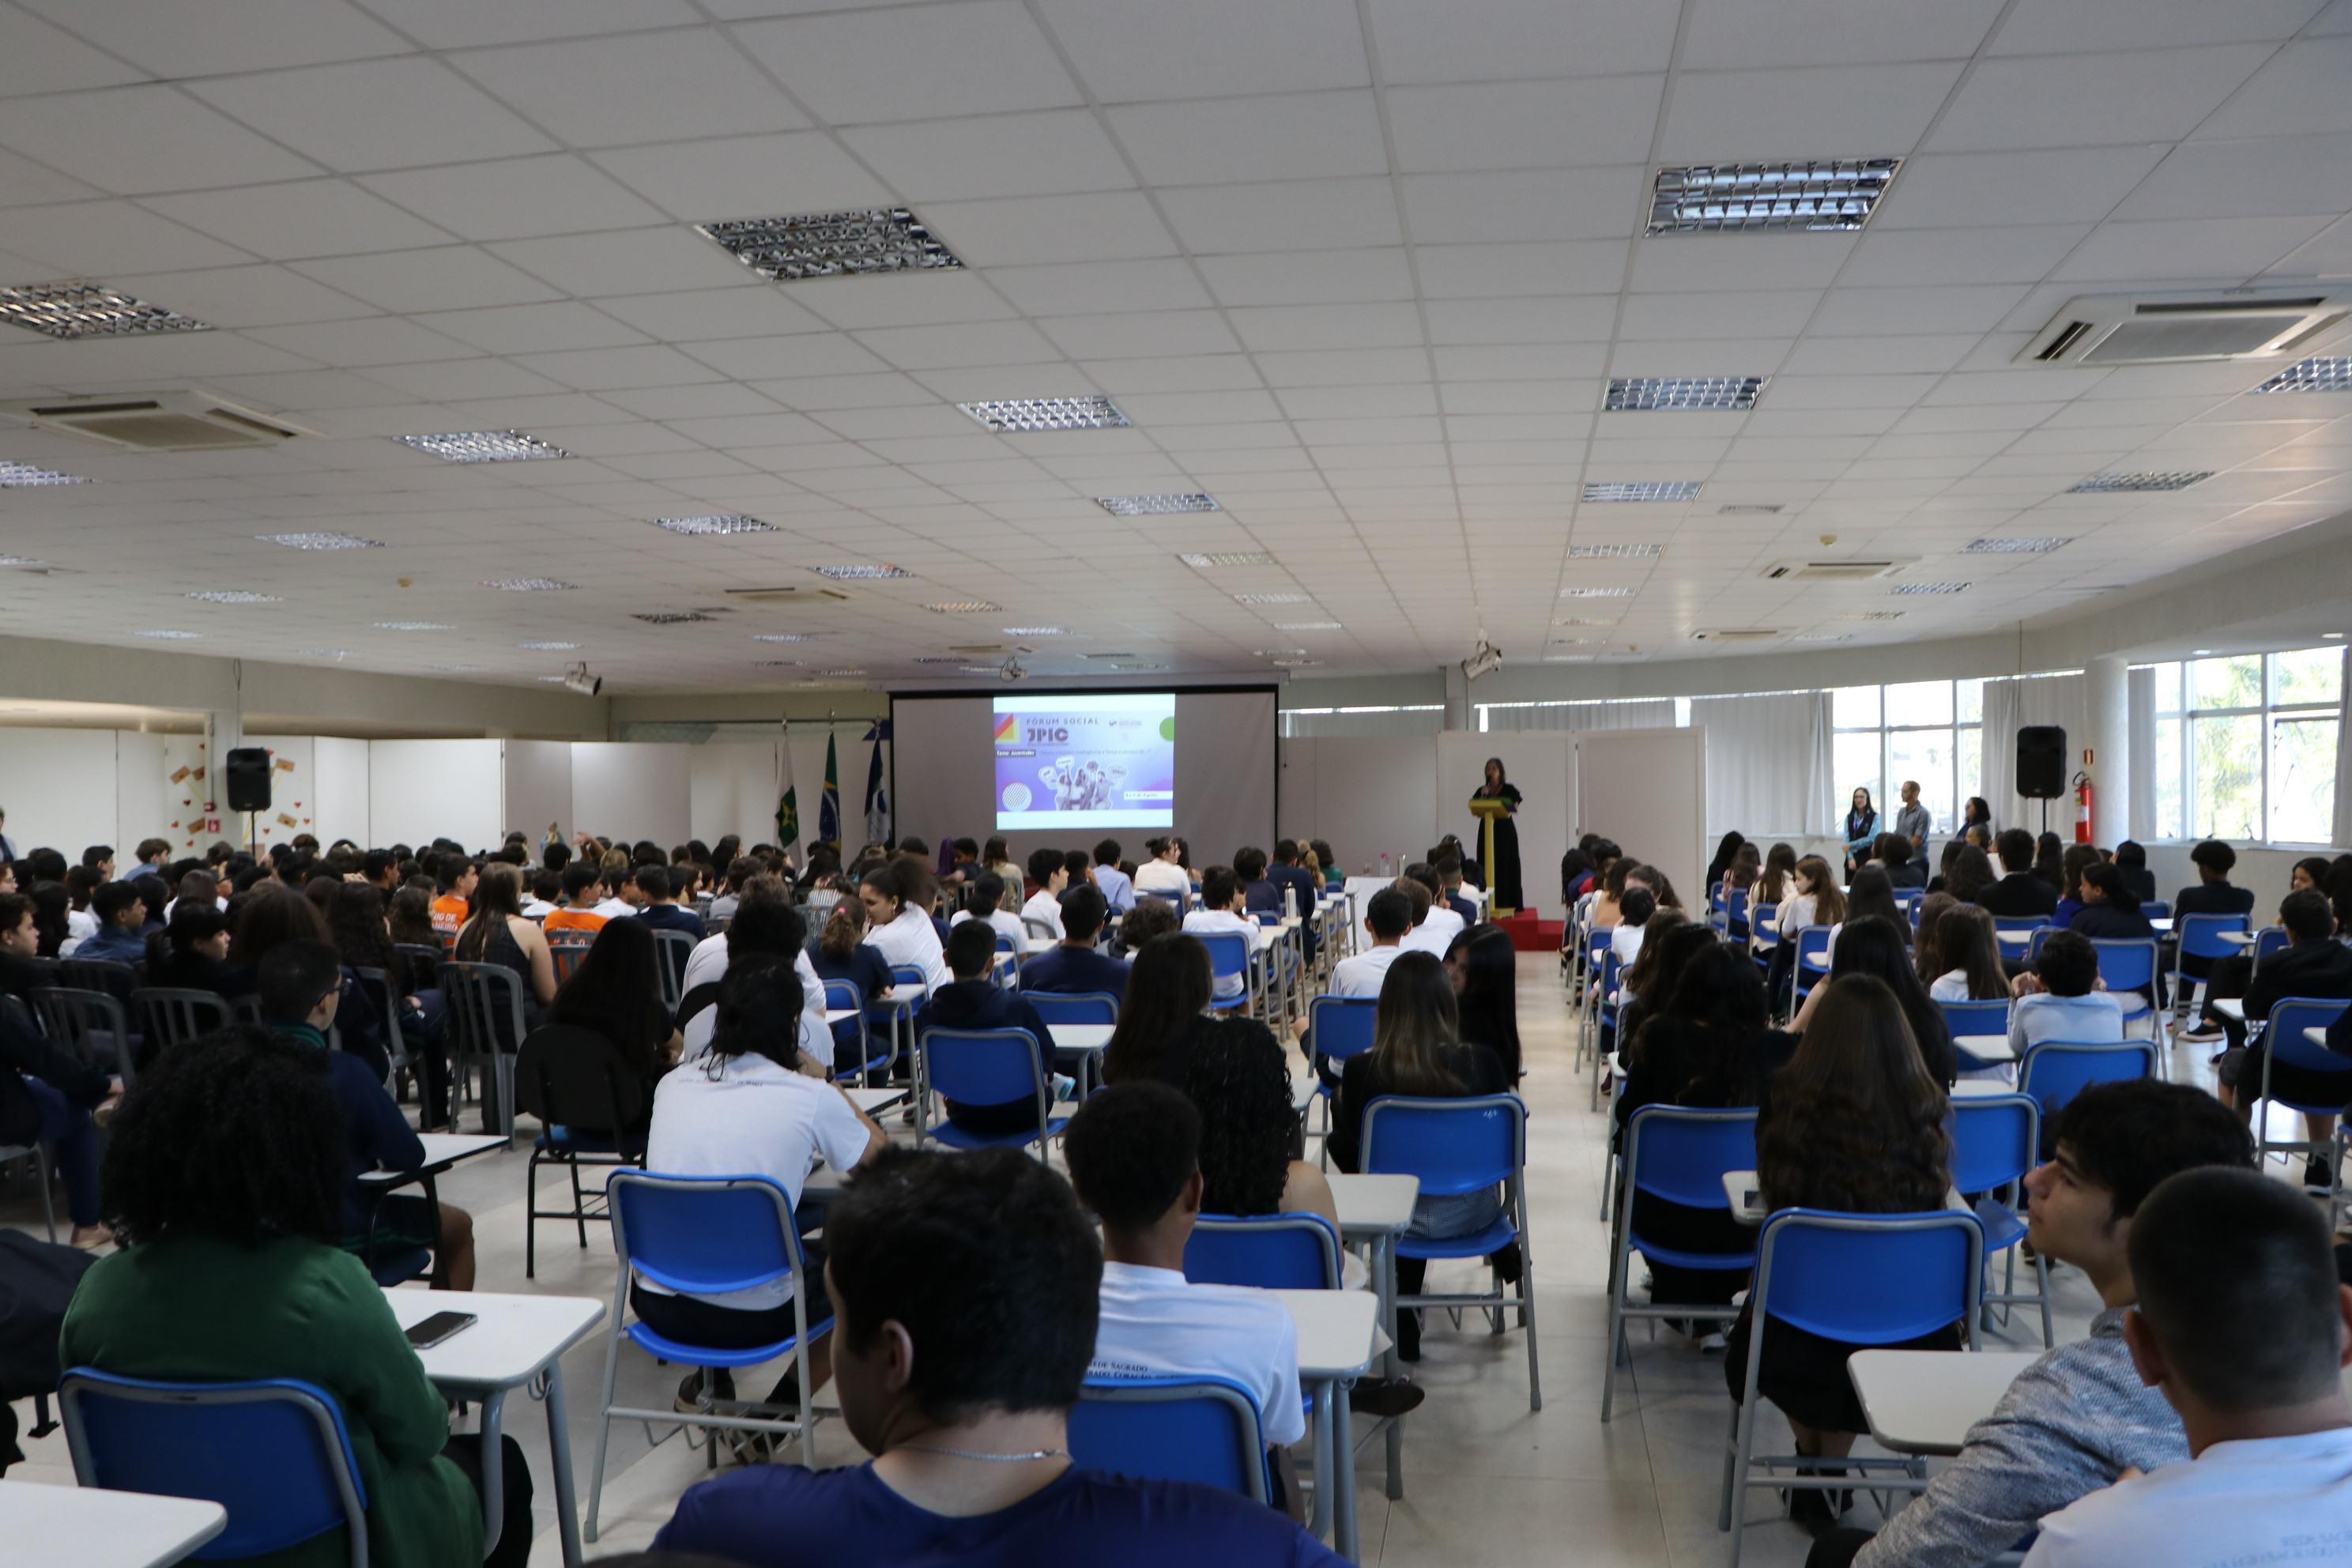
x,y
1486,1481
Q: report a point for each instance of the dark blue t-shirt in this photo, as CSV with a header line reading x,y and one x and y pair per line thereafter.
x,y
781,1516
1076,970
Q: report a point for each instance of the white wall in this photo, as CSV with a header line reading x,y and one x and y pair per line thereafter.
x,y
339,794
421,790
1539,764
1647,790
59,789
731,787
639,788
1365,797
538,788
141,803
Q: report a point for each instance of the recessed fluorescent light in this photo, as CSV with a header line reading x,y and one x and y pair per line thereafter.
x,y
1817,196
1643,489
1278,653
1581,621
1614,551
455,668
1752,508
528,585
17,561
1151,506
412,627
86,310
1036,631
167,636
237,597
546,647
1295,663
1662,394
1574,642
1615,593
2333,636
842,674
1929,588
1567,658
938,658
2101,484
2311,375
2198,652
25,477
1019,414
780,663
1873,616
346,653
320,542
1201,562
483,446
731,523
1306,625
859,574
782,636
980,669
829,245
551,680
671,617
1824,637
1271,598
1110,656
1135,668
2021,546
962,607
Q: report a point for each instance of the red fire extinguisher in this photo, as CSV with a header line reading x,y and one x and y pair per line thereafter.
x,y
2082,808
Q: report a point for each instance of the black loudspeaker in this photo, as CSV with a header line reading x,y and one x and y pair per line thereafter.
x,y
2041,761
246,771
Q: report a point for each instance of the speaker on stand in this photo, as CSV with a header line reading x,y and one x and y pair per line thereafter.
x,y
244,772
2042,765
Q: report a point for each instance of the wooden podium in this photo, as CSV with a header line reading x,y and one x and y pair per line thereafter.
x,y
1486,808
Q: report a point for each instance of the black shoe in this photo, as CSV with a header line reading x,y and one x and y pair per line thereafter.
x,y
1507,1264
690,1397
1819,1510
2319,1173
1387,1396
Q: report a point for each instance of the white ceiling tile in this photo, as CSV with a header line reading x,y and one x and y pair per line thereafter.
x,y
98,238
1136,51
2227,248
37,57
1672,262
860,68
1285,327
745,176
1517,125
1093,287
1951,307
644,87
2054,27
1290,137
689,315
2259,178
1543,361
299,220
357,344
2070,101
182,41
1891,257
1494,40
1138,333
1730,34
999,155
24,183
131,141
517,198
1731,315
380,114
2330,253
2298,91
1573,319
1111,225
1291,214
453,278
1547,204
1878,355
1201,372
1966,189
445,380
1845,111
461,23
947,347
1308,276
526,329
639,260
243,296
1500,272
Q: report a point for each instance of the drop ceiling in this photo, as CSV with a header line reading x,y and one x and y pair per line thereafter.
x,y
1360,272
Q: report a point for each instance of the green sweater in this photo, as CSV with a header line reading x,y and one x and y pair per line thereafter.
x,y
199,1310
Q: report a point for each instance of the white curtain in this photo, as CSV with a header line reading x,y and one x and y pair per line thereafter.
x,y
2343,834
1405,722
2009,706
2139,697
1658,715
1769,764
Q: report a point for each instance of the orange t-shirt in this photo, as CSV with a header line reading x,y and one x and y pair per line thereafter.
x,y
448,914
573,920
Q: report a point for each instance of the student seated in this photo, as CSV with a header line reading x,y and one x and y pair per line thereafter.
x,y
2131,859
583,889
974,1001
1965,949
2212,895
299,987
226,1181
986,902
122,917
840,951
194,953
1872,945
457,877
2062,997
661,887
47,1092
967,1288
1388,916
2020,894
2108,911
1117,887
764,925
1287,874
898,895
1221,913
1049,869
1134,1159
1074,966
1164,1017
2079,1417
1259,895
1634,911
1434,932
2243,1326
2314,964
1904,870
616,991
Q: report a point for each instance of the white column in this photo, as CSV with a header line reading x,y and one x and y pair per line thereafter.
x,y
2106,734
1458,714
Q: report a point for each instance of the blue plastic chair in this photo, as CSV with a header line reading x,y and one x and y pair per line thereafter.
x,y
1266,1252
907,986
2128,965
982,1067
840,995
1861,1279
1812,962
1735,915
2200,936
705,1236
1678,1155
2268,941
1989,1017
273,1451
2016,938
1074,1006
1338,1027
2283,1042
2055,1071
1204,1430
1229,959
1996,1139
1604,1013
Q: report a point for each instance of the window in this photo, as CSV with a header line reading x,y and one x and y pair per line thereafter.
x,y
1930,731
2245,746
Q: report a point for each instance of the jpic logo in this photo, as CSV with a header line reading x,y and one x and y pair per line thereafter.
x,y
1008,727
1047,735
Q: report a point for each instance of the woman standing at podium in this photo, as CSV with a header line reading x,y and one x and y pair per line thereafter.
x,y
1503,876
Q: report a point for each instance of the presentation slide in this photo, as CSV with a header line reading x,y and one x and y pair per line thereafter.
x,y
1085,762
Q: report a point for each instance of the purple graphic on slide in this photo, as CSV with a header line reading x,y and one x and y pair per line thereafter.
x,y
1107,760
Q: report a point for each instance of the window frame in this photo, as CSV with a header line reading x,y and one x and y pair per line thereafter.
x,y
2179,706
1955,790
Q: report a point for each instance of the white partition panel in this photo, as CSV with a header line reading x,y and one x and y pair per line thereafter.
x,y
1539,763
339,792
638,789
538,789
732,788
57,787
141,807
1647,790
421,790
1371,795
293,792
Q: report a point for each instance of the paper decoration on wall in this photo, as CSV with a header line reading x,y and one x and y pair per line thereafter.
x,y
285,765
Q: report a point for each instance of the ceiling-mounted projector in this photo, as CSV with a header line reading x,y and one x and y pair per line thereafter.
x,y
577,679
1485,661
1013,671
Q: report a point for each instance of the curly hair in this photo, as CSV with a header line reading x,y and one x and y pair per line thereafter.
x,y
1854,1123
1242,1087
237,1136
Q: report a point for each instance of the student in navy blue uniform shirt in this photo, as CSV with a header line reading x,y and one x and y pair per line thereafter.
x,y
973,1000
660,886
841,952
966,1291
1259,896
121,914
1075,967
1287,873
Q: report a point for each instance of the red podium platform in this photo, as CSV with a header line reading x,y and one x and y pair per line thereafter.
x,y
1530,934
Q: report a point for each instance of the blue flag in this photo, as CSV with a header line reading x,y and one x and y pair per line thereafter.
x,y
828,804
878,800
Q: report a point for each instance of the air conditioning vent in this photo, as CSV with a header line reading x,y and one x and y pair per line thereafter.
x,y
2243,323
1837,570
1738,634
787,595
191,421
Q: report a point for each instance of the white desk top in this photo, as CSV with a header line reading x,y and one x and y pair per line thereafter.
x,y
1335,1330
2316,1035
874,1101
514,1338
92,1528
2235,938
839,1015
441,1149
1981,1089
1373,1206
1034,945
1924,1402
1302,1089
1081,1036
2231,1008
1986,1047
2161,924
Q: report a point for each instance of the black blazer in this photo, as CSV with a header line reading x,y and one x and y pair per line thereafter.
x,y
1909,874
2140,880
1361,1081
2019,895
2214,899
2109,922
2320,969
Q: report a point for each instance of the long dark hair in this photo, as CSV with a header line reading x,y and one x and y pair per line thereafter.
x,y
498,897
2112,888
1971,873
1726,849
1166,990
1872,945
1242,1090
49,924
1717,1003
269,917
616,992
1927,943
1488,1004
1667,943
1414,1019
410,914
759,1013
1872,893
355,916
1856,1122
2049,860
1773,885
1967,941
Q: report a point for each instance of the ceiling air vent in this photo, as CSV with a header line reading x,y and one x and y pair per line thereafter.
x,y
1738,634
1836,571
787,595
191,421
2238,323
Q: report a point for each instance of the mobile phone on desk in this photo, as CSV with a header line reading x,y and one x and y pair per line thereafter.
x,y
430,1332
1752,1199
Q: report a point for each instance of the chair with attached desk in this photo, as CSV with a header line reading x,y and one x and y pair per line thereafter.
x,y
1338,1027
1204,1430
1996,1139
1862,1279
2268,941
673,951
983,1068
2127,966
2199,936
2016,938
592,1107
1230,958
844,996
2284,1041
1059,1007
1265,1252
274,1452
2055,1071
486,1030
1964,1018
1676,1154
92,1025
1812,964
1593,948
707,1236
166,1017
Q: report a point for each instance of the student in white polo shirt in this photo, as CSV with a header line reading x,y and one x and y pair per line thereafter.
x,y
987,903
1436,933
1421,937
1134,1157
1221,913
1388,915
1050,869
